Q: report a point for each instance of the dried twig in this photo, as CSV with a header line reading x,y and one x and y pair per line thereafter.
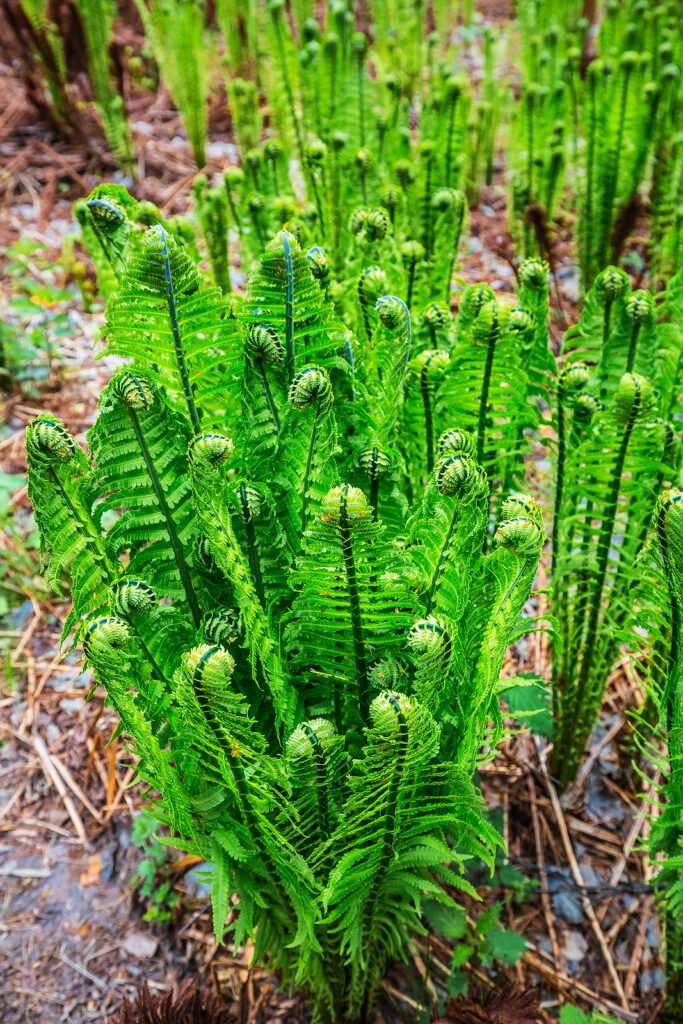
x,y
56,779
578,878
545,899
75,788
638,947
533,958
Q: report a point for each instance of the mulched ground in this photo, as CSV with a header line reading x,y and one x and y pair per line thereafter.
x,y
72,939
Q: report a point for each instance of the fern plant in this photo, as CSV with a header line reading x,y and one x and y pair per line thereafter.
x,y
175,30
654,635
97,17
615,452
304,660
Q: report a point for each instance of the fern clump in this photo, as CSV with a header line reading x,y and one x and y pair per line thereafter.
x,y
284,576
654,636
615,452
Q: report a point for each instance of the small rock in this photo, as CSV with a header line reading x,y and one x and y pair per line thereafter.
x,y
196,881
141,944
652,979
475,244
574,949
591,877
565,898
601,806
53,733
567,905
71,704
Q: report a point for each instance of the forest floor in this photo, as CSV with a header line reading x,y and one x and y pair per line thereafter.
x,y
73,942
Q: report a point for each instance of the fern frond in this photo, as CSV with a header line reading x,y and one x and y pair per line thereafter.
x,y
176,328
69,536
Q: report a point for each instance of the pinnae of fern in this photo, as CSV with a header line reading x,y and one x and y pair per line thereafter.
x,y
132,597
265,344
634,397
377,224
455,440
357,220
639,309
391,310
585,406
376,464
311,386
49,440
458,474
103,640
210,662
210,450
429,637
515,505
218,628
385,674
319,264
533,272
106,211
250,503
135,391
344,502
521,535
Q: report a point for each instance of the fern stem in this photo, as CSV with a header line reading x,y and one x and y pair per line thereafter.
x,y
178,552
235,216
559,480
374,486
225,744
606,328
318,203
588,234
449,143
429,424
411,282
289,309
606,530
269,395
361,113
321,789
254,561
485,386
670,572
443,557
428,210
336,213
632,346
177,340
356,618
307,473
559,594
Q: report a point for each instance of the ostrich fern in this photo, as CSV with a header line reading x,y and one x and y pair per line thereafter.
x,y
615,451
290,605
654,634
